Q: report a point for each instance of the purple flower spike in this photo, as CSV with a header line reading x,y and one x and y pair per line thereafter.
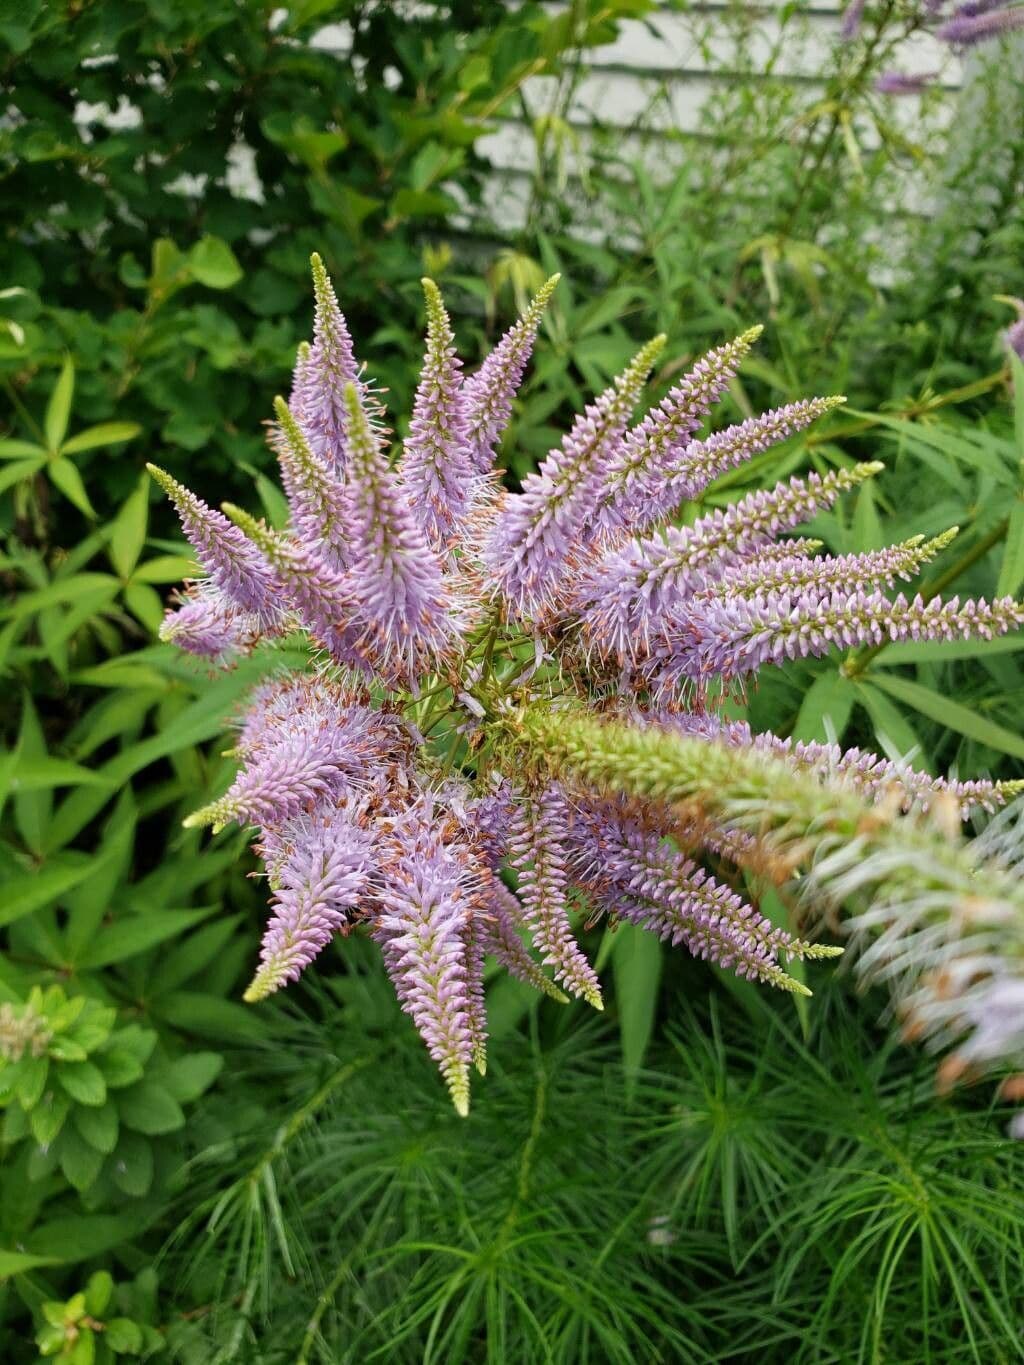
x,y
503,917
488,394
316,496
321,596
395,574
761,575
624,600
232,561
728,638
210,626
633,495
704,461
966,30
310,761
879,777
659,889
898,83
536,684
853,18
437,464
319,881
475,940
538,855
317,398
533,542
426,900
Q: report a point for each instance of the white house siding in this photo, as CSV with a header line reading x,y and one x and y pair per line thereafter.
x,y
658,80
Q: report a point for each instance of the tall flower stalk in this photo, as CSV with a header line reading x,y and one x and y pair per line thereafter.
x,y
512,714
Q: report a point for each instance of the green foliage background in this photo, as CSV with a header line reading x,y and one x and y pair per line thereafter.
x,y
702,1175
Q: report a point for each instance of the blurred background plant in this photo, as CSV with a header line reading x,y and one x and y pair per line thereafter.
x,y
701,1176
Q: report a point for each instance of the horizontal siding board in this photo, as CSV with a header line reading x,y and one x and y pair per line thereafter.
x,y
658,83
623,100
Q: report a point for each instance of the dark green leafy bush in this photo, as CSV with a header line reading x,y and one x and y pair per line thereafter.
x,y
167,173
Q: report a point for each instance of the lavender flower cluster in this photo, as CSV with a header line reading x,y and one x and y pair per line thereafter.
x,y
437,606
962,25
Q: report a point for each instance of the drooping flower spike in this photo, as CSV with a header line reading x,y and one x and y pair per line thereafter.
x,y
512,722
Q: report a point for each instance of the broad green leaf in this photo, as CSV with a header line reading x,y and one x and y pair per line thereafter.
x,y
8,764
32,1075
275,505
79,1162
1011,570
57,626
11,448
148,1109
121,674
83,1081
47,1117
987,454
119,1067
58,409
133,934
209,1016
123,1336
194,724
105,434
637,960
133,1170
32,808
98,1292
830,697
175,967
509,1002
128,533
867,524
18,1262
190,1075
98,1126
88,903
144,603
474,72
951,713
213,263
65,476
80,1237
63,590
